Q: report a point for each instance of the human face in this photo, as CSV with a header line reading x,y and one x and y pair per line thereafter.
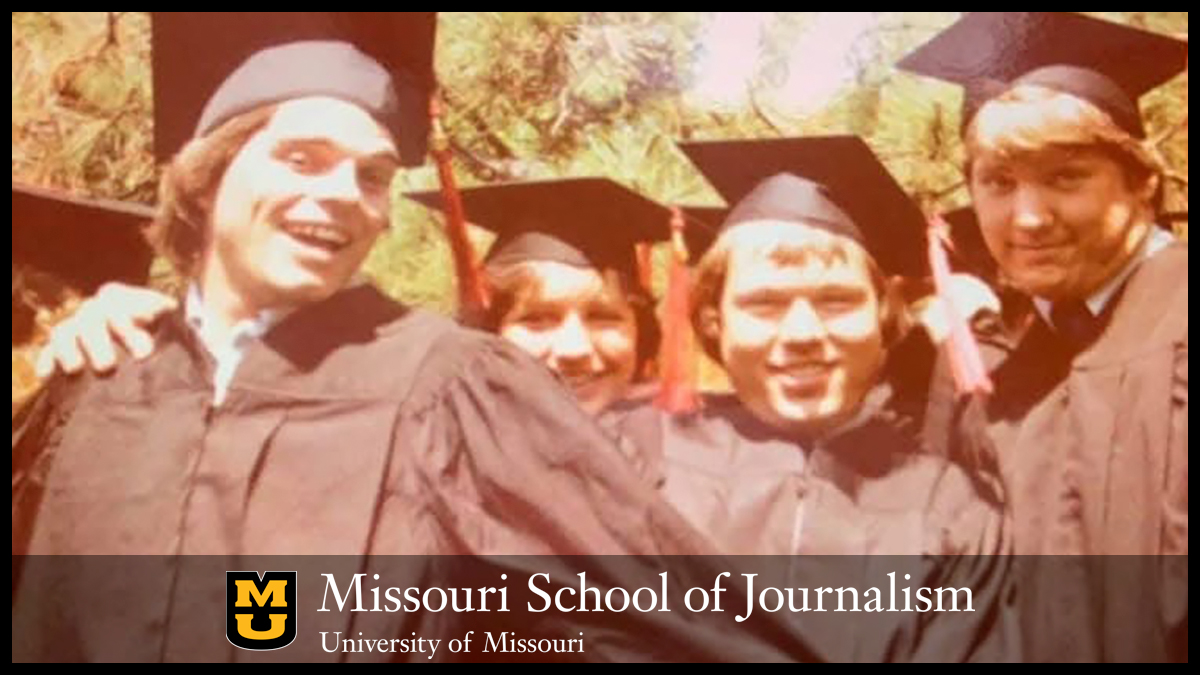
x,y
580,325
799,325
300,205
1061,221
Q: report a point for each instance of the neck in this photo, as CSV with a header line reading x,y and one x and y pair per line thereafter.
x,y
809,433
224,304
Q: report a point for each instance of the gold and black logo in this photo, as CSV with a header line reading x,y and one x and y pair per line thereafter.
x,y
261,609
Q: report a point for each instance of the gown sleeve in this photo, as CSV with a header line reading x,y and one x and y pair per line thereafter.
x,y
976,552
503,468
35,430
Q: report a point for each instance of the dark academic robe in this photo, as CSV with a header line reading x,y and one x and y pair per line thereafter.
x,y
843,511
1091,447
355,426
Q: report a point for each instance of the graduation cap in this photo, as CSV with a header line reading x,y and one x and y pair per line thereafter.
x,y
201,77
584,222
835,183
84,242
703,226
1106,64
589,223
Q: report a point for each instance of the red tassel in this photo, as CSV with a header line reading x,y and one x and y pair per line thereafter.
x,y
644,266
472,294
966,363
677,358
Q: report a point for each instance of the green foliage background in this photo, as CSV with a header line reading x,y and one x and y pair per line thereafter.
x,y
544,94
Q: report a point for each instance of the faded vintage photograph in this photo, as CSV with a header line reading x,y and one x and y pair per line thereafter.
x,y
817,295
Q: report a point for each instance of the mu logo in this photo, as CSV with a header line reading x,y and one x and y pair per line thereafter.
x,y
260,609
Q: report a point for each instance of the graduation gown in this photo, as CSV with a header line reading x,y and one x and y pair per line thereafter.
x,y
355,426
842,511
1091,447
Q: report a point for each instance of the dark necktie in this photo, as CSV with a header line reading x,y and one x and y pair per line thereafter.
x,y
1074,321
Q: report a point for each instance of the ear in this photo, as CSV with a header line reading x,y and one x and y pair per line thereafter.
x,y
710,324
896,298
1148,191
908,290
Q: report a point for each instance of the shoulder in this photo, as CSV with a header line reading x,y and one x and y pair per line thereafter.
x,y
1162,278
889,469
453,357
1149,317
362,345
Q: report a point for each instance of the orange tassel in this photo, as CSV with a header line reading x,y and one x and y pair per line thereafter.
x,y
966,363
472,294
644,266
677,358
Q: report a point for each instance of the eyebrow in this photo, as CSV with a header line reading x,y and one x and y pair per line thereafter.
x,y
814,289
1059,154
389,154
761,294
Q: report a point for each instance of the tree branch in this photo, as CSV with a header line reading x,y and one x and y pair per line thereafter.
x,y
761,113
949,190
1169,133
472,116
1177,177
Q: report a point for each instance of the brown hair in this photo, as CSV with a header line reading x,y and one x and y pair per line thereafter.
x,y
713,270
1031,118
188,187
510,285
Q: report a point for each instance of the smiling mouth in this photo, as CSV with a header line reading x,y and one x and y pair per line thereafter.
x,y
582,381
804,379
324,237
1037,248
585,384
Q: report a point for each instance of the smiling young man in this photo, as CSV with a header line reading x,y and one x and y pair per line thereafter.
x,y
1088,420
564,280
806,458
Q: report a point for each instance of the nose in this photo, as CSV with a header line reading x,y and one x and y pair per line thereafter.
x,y
802,328
338,196
571,345
802,325
340,183
1030,210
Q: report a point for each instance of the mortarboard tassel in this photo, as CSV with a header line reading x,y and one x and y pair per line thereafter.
x,y
643,250
472,295
677,357
966,363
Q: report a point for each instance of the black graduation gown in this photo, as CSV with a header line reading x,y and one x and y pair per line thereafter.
x,y
355,426
866,492
1091,447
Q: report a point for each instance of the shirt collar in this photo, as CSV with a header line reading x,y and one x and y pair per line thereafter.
x,y
199,318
